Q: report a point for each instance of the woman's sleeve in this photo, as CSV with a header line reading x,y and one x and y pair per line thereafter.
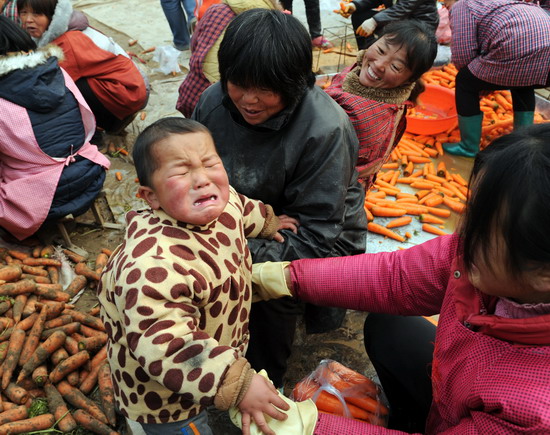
x,y
464,44
404,282
399,11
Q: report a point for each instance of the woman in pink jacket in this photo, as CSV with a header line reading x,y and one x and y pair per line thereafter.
x,y
490,284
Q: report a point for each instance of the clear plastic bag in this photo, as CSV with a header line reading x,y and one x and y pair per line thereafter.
x,y
167,57
337,389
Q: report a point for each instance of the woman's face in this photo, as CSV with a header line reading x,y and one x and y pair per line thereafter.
x,y
34,24
384,66
255,105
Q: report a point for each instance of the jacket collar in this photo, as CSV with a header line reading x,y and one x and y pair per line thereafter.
x,y
17,61
475,309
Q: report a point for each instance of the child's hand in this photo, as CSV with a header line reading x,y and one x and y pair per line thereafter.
x,y
261,398
287,223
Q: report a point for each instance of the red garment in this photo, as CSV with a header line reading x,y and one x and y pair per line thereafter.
x,y
208,31
490,375
115,80
376,124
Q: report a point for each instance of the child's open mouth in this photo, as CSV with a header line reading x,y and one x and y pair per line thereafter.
x,y
204,200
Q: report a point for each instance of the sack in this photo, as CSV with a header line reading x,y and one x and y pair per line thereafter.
x,y
167,57
443,33
337,389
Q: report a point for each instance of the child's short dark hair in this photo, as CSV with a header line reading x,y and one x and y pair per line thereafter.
x,y
13,38
46,7
419,40
267,49
510,184
143,153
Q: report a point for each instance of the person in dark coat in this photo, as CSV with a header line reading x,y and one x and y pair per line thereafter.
x,y
286,142
48,168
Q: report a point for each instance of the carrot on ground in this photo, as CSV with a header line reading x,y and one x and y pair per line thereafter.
x,y
18,413
399,222
41,354
90,381
92,424
84,270
68,329
457,207
58,407
16,393
77,284
17,288
76,398
86,319
379,229
16,342
33,424
42,262
73,256
19,303
433,230
40,375
10,273
92,344
427,218
106,392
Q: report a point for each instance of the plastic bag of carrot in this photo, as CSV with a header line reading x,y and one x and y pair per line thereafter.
x,y
337,389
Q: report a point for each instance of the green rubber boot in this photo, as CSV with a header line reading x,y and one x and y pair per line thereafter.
x,y
470,134
522,119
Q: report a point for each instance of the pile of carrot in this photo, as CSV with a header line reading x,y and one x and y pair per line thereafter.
x,y
496,106
49,350
337,389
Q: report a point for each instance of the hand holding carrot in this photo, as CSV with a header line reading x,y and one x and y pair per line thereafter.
x,y
261,398
346,9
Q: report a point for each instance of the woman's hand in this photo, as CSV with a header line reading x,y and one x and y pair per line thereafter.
x,y
346,9
286,223
367,28
261,398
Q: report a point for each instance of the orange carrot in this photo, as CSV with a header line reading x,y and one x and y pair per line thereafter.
x,y
433,230
10,273
15,414
434,200
42,352
69,365
92,344
101,262
52,292
438,212
71,345
33,424
19,303
388,211
17,288
92,424
16,342
106,392
40,375
430,219
73,256
379,229
68,329
84,270
17,254
5,305
329,403
58,408
77,284
399,222
106,251
86,319
47,251
42,262
118,176
76,398
16,393
34,270
457,207
90,381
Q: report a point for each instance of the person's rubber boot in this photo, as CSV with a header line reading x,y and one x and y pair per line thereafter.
x,y
470,134
522,119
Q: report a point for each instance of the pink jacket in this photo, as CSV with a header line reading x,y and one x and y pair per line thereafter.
x,y
28,176
491,375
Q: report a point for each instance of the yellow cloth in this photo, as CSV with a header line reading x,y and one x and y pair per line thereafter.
x,y
268,281
301,418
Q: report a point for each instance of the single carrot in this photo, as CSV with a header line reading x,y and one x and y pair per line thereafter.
x,y
42,262
106,251
16,342
55,308
148,50
84,270
16,393
77,284
118,175
5,305
36,251
68,329
86,319
20,412
41,354
71,345
94,311
69,365
99,357
438,211
387,211
106,392
399,222
10,273
433,230
76,398
17,288
329,403
17,254
90,381
19,303
3,351
434,201
92,344
34,270
30,306
92,424
47,251
379,229
36,278
53,273
40,375
58,321
101,262
430,219
58,407
59,355
73,256
33,424
304,389
457,207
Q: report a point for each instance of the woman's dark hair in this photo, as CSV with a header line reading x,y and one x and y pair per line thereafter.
x,y
267,49
13,38
419,41
143,153
510,196
46,7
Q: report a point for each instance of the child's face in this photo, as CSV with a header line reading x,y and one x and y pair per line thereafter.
x,y
190,183
34,24
384,66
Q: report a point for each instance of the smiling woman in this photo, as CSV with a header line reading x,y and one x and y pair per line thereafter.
x,y
376,91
